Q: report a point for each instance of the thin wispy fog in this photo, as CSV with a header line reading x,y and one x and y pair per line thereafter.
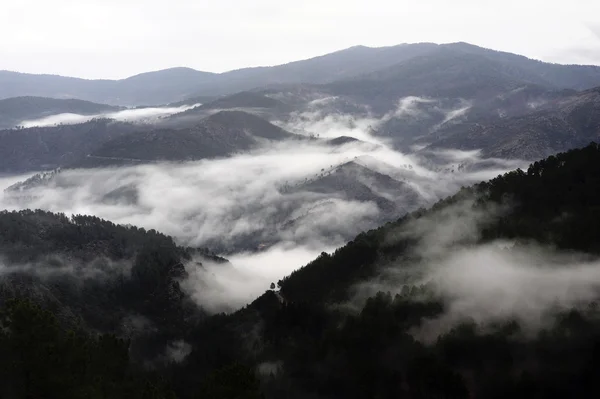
x,y
485,283
495,282
270,210
59,267
147,115
362,121
9,180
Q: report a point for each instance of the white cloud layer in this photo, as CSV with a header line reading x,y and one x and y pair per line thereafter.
x,y
259,201
486,283
146,115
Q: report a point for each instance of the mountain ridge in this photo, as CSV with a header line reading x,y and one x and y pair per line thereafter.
x,y
177,84
15,110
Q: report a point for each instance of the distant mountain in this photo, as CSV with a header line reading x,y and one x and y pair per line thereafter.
x,y
563,124
326,68
248,123
160,87
352,63
445,73
193,101
18,109
219,135
257,103
104,142
578,77
149,88
39,148
356,182
245,99
342,140
177,84
425,120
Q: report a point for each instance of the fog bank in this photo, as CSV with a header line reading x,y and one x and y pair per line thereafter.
x,y
147,115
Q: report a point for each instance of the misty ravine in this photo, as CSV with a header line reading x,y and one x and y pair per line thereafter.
x,y
273,202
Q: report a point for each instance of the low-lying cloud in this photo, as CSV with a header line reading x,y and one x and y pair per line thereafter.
x,y
485,283
495,282
8,180
257,194
56,266
223,287
258,208
146,115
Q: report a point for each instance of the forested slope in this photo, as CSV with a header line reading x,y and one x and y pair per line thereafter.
x,y
321,339
370,320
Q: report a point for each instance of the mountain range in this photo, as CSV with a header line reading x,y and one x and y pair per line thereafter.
x,y
568,122
421,101
15,110
372,66
453,95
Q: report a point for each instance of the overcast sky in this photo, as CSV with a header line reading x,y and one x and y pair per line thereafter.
x,y
119,38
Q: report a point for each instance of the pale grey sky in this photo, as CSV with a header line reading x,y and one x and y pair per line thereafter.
x,y
119,38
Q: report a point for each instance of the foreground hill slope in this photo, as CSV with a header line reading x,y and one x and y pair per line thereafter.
x,y
535,196
370,319
314,345
98,275
94,301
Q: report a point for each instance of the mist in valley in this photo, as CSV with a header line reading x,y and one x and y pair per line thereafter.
x,y
135,115
487,283
260,209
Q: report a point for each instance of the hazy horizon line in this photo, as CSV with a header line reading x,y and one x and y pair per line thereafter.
x,y
282,64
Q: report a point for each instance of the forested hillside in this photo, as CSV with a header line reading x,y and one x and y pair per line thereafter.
x,y
566,184
430,305
99,276
564,123
40,358
40,148
105,142
316,342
